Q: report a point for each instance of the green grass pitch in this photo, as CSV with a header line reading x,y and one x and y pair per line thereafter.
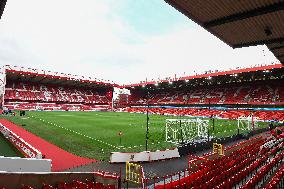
x,y
7,150
95,134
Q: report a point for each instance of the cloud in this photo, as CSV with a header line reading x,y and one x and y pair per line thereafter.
x,y
94,38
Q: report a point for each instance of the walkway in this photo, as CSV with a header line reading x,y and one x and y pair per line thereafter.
x,y
61,159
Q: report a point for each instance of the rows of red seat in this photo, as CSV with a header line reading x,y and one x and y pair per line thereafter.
x,y
214,172
277,180
74,185
55,93
263,171
246,167
228,114
54,106
252,166
253,93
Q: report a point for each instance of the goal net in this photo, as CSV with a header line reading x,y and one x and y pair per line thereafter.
x,y
186,130
247,123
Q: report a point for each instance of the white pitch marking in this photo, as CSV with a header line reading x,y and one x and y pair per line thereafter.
x,y
81,134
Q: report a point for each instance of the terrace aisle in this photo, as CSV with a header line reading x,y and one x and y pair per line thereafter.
x,y
61,159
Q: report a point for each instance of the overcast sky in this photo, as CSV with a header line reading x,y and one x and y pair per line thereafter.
x,y
120,40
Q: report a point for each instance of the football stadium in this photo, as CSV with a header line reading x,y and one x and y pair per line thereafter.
x,y
214,129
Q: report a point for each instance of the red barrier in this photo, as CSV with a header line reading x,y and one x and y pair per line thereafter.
x,y
26,149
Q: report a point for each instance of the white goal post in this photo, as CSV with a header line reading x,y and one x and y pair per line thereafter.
x,y
247,123
185,130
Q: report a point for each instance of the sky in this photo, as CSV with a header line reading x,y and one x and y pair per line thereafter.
x,y
125,41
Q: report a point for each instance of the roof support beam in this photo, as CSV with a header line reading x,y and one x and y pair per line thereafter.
x,y
261,42
56,80
281,59
244,15
59,81
2,7
41,80
278,47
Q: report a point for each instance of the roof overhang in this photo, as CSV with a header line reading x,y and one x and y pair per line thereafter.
x,y
2,7
55,80
210,75
239,23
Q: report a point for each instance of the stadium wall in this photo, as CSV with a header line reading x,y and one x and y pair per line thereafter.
x,y
15,164
214,107
122,157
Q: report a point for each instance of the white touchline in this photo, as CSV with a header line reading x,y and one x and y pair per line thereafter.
x,y
80,134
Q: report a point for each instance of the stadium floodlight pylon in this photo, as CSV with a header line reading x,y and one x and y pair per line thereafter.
x,y
186,130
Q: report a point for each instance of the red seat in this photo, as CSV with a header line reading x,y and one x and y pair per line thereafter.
x,y
46,186
26,187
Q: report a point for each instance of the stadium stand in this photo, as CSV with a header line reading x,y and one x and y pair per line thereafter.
x,y
17,92
256,93
29,89
228,114
239,24
242,166
88,184
277,179
62,180
37,92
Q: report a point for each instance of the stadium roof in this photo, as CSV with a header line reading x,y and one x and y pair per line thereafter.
x,y
239,23
48,77
2,6
210,74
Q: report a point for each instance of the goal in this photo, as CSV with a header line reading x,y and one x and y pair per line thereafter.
x,y
186,130
247,123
